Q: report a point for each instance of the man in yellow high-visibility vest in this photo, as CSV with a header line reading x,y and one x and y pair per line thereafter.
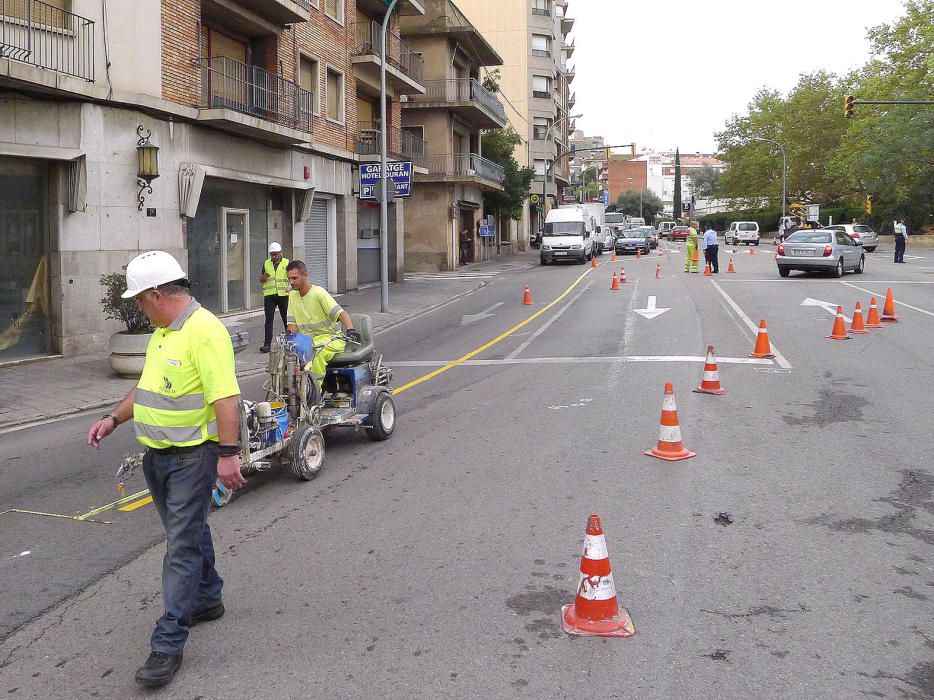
x,y
276,289
314,312
186,412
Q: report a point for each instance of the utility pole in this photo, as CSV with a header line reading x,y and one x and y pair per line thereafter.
x,y
383,151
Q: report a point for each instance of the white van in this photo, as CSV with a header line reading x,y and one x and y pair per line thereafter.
x,y
568,235
664,228
742,232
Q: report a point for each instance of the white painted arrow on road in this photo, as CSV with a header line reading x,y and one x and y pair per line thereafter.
x,y
826,305
650,311
470,318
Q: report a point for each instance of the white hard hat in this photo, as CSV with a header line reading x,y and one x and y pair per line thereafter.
x,y
149,270
275,248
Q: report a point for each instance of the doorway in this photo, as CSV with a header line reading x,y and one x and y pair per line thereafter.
x,y
466,222
235,258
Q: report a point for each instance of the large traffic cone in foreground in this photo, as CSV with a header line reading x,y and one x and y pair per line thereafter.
x,y
595,611
527,297
707,272
873,319
710,384
730,266
658,272
593,261
888,311
669,445
622,274
839,327
857,326
763,348
615,285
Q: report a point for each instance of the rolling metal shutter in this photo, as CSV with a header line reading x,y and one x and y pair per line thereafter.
x,y
316,243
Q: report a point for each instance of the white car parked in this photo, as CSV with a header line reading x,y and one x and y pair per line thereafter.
x,y
862,233
742,232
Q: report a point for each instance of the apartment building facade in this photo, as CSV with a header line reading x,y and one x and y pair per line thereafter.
x,y
447,201
261,111
533,37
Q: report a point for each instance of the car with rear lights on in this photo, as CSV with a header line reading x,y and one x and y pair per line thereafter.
x,y
821,250
860,232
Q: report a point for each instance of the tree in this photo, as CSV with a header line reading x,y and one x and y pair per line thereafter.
x,y
589,188
704,181
677,195
498,146
628,203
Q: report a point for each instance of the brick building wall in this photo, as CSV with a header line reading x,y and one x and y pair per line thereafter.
x,y
181,20
619,173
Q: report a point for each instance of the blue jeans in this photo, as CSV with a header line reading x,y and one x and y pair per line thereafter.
x,y
181,485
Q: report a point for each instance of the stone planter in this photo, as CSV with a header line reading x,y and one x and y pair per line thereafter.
x,y
128,353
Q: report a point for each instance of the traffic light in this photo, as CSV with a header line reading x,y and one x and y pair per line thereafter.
x,y
849,106
608,154
869,205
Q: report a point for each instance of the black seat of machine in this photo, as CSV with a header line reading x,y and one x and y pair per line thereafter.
x,y
355,354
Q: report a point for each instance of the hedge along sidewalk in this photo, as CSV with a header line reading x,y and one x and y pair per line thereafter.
x,y
56,387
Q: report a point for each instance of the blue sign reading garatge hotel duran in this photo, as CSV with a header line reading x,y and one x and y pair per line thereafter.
x,y
399,172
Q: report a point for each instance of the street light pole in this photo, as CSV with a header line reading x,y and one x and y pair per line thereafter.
x,y
383,149
784,169
548,140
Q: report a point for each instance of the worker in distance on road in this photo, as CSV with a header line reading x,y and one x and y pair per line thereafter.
x,y
711,248
313,312
186,413
690,249
276,290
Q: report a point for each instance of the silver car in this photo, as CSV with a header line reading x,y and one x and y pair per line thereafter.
x,y
860,232
820,250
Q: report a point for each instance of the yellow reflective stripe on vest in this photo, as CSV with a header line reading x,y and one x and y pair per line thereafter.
x,y
278,282
184,436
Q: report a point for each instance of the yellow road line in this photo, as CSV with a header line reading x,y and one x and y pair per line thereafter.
x,y
137,504
493,342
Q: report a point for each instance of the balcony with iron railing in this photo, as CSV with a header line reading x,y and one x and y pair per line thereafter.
x,y
467,95
402,144
281,12
48,37
405,69
230,88
458,167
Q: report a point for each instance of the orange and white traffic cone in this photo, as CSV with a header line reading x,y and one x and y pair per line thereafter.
x,y
888,311
613,256
730,267
638,254
710,384
763,348
593,261
857,326
527,297
839,327
622,275
872,321
658,272
595,611
661,253
615,285
752,251
670,446
707,272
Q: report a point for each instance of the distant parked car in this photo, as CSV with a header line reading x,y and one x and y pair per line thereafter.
x,y
742,232
860,232
607,237
823,250
679,233
650,233
632,241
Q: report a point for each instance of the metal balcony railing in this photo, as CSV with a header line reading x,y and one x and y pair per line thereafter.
x,y
251,90
398,54
402,143
462,90
46,36
466,165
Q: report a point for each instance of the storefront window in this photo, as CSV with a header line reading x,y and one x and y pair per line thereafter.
x,y
25,326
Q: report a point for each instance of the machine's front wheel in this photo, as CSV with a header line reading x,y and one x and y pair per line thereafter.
x,y
307,452
382,420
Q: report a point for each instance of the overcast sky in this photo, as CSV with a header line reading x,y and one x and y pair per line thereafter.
x,y
634,80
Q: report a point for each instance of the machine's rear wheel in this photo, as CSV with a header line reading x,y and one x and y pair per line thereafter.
x,y
382,420
307,452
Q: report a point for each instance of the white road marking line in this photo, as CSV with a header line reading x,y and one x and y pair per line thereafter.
x,y
779,358
630,326
519,350
583,360
827,306
882,296
650,311
488,313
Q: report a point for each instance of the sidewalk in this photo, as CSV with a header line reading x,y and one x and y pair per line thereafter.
x,y
57,387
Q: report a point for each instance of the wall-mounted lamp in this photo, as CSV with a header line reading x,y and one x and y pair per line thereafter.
x,y
147,156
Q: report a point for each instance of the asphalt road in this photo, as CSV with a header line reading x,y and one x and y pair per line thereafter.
x,y
435,564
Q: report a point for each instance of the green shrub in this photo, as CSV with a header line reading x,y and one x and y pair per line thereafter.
x,y
117,308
